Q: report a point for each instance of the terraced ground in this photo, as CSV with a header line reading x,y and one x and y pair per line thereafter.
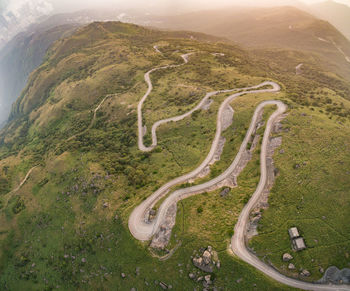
x,y
67,225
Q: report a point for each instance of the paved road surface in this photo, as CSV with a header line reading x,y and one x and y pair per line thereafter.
x,y
138,225
143,230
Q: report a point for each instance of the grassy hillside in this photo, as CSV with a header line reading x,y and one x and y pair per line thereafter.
x,y
66,227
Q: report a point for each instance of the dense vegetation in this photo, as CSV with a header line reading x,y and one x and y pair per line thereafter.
x,y
66,227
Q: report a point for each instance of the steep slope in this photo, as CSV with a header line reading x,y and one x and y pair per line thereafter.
x,y
71,171
20,57
283,27
336,13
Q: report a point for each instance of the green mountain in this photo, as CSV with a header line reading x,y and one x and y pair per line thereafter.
x,y
279,27
71,171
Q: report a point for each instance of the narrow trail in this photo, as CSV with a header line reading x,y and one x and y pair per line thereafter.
x,y
92,120
341,51
143,230
347,58
70,138
298,70
24,180
157,49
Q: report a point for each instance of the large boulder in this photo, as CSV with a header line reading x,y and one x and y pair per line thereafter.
x,y
287,257
305,273
199,263
207,257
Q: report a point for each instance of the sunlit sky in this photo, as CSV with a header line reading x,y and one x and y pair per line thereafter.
x,y
78,4
157,5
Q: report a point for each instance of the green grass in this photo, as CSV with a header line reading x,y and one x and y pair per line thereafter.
x,y
64,198
311,193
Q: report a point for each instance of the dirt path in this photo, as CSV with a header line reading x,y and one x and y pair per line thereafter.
x,y
92,120
24,180
141,145
341,51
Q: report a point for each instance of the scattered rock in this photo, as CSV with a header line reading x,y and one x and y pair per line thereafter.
x,y
83,260
321,270
162,236
123,275
305,273
291,266
239,280
208,261
207,257
105,205
163,285
287,257
197,261
207,279
152,212
191,276
200,279
224,192
116,217
282,151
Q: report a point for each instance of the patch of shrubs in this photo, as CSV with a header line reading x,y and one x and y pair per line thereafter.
x,y
18,206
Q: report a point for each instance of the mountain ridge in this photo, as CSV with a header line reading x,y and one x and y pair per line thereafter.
x,y
284,27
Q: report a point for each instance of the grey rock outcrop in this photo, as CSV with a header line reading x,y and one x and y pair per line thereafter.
x,y
162,237
335,276
207,261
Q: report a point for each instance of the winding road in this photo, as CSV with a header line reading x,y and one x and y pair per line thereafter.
x,y
143,229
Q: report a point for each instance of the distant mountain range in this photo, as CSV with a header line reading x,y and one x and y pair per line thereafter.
x,y
336,13
277,27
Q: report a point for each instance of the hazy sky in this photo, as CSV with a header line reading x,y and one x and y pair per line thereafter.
x,y
78,4
171,6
